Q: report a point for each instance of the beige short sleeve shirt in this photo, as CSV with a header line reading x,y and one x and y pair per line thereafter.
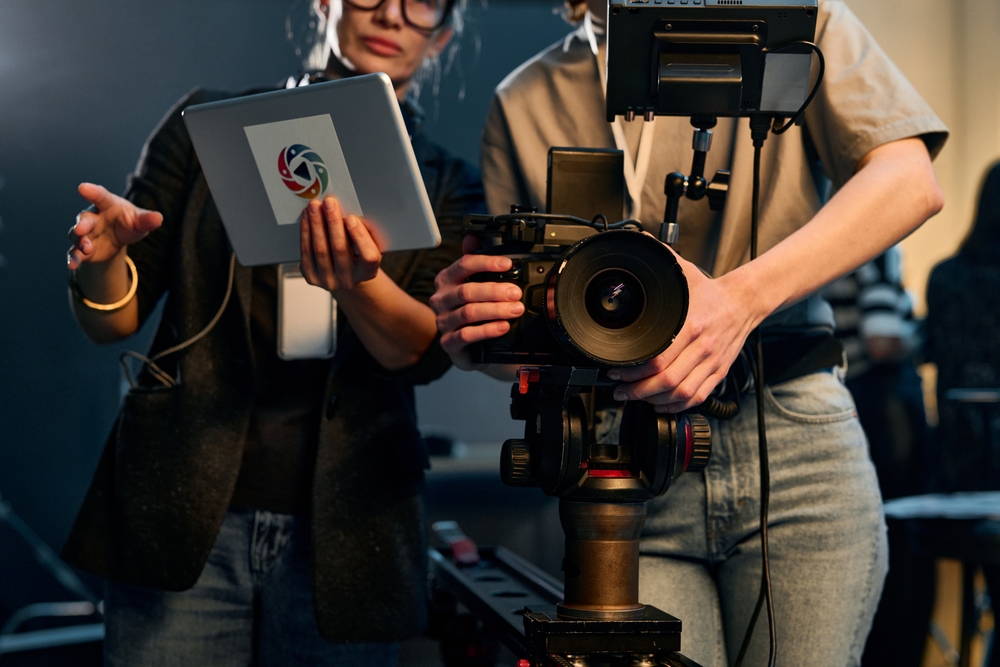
x,y
556,99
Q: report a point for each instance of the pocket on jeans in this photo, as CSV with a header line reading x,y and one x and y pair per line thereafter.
x,y
817,398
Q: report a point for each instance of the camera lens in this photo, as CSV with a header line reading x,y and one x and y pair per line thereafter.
x,y
615,299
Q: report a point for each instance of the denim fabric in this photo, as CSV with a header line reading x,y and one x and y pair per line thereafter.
x,y
826,534
252,605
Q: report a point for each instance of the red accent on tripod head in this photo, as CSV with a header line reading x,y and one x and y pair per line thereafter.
x,y
618,474
526,375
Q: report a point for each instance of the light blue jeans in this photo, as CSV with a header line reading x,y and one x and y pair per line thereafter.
x,y
252,605
826,534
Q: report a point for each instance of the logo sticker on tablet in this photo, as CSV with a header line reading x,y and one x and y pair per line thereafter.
x,y
295,147
303,171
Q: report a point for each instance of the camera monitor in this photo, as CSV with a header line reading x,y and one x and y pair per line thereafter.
x,y
709,57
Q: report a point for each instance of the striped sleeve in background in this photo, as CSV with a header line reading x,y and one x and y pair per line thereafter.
x,y
871,302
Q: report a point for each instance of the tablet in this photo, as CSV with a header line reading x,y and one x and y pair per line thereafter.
x,y
266,156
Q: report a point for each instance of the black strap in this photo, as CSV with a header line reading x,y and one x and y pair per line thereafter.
x,y
789,357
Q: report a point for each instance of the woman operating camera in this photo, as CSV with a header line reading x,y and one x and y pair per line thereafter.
x,y
869,133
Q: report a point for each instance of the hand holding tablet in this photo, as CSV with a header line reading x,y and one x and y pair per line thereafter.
x,y
266,156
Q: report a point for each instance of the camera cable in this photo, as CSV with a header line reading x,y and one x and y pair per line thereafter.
x,y
760,124
759,128
600,221
150,362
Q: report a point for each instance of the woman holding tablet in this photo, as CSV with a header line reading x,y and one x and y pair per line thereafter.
x,y
249,509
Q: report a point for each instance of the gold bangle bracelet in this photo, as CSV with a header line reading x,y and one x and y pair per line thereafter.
x,y
74,287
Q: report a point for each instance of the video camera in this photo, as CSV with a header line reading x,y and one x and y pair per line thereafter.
x,y
592,298
598,294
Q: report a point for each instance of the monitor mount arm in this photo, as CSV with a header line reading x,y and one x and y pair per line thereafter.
x,y
694,186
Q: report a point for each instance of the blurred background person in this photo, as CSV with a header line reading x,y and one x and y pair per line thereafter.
x,y
963,341
873,316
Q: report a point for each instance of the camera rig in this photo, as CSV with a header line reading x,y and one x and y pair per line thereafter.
x,y
597,295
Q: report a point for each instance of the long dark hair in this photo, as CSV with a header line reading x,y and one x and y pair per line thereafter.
x,y
982,245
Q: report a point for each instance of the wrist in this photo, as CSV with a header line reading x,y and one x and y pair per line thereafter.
x,y
105,281
755,296
362,291
110,285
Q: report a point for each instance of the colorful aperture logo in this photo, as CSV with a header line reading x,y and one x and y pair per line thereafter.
x,y
303,171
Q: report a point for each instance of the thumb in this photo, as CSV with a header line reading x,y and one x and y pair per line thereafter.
x,y
97,195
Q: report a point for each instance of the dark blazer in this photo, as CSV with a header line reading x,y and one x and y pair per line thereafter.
x,y
163,483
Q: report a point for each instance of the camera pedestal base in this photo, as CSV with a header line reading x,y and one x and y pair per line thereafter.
x,y
651,633
516,602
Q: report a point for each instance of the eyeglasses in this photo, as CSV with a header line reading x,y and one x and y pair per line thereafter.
x,y
424,15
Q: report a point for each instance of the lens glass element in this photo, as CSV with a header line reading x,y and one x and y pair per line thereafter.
x,y
615,299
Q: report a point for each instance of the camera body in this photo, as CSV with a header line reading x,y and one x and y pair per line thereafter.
x,y
598,293
592,298
529,341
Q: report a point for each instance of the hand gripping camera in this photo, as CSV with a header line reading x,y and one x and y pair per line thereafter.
x,y
598,295
594,300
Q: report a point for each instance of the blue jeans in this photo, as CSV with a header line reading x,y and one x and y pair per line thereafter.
x,y
252,605
826,534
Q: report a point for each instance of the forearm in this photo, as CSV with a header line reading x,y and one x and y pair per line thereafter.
x,y
105,283
394,327
893,192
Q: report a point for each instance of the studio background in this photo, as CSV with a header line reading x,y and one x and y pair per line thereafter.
x,y
82,84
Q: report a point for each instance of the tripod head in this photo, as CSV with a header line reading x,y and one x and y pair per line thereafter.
x,y
560,454
603,488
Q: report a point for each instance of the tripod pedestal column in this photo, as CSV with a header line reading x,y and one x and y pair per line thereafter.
x,y
601,567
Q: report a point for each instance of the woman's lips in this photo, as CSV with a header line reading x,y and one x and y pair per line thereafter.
x,y
382,46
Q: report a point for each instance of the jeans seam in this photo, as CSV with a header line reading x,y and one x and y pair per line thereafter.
x,y
254,551
858,641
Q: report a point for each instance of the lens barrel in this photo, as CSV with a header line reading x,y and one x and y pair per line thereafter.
x,y
618,298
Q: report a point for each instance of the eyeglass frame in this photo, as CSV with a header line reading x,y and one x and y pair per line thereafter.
x,y
449,6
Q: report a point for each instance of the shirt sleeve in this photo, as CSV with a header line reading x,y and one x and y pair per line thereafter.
x,y
162,182
460,193
864,101
502,178
463,195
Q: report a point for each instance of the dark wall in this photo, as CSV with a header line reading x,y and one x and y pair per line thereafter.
x,y
81,86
